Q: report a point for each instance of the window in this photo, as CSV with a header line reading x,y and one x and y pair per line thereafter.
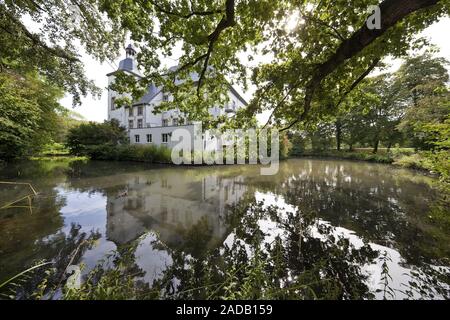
x,y
113,103
165,123
137,138
130,111
140,124
175,122
130,124
165,138
165,97
149,138
140,111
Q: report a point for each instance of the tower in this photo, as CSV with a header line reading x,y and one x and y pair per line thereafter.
x,y
129,66
130,52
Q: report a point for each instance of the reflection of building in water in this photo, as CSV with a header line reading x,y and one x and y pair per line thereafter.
x,y
172,204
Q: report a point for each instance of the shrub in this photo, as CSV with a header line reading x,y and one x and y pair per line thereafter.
x,y
90,138
127,152
415,161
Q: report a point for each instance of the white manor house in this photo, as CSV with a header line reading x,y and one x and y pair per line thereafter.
x,y
146,127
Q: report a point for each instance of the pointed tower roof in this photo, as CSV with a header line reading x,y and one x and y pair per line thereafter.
x,y
129,64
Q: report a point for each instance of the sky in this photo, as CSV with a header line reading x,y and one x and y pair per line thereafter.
x,y
96,110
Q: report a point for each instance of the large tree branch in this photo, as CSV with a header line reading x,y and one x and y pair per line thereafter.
x,y
346,93
358,81
392,11
281,103
227,21
205,67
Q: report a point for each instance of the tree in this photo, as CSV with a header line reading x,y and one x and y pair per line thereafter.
x,y
385,112
48,42
67,119
83,139
29,112
423,80
331,47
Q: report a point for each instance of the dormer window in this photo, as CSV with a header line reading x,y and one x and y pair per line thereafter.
x,y
165,123
113,103
165,97
140,111
130,111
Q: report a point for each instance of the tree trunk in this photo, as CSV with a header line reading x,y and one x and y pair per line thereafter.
x,y
389,147
375,146
338,135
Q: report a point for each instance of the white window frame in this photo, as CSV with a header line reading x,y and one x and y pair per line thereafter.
x,y
165,135
130,124
137,138
149,138
140,123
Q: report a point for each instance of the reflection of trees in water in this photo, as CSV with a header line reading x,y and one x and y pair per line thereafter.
x,y
379,214
295,264
24,235
63,250
379,203
305,259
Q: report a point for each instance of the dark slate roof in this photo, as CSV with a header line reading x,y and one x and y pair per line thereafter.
x,y
130,65
234,91
195,78
149,96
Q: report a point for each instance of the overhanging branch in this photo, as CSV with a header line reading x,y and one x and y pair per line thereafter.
x,y
392,11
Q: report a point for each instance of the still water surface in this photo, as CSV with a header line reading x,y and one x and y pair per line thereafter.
x,y
174,214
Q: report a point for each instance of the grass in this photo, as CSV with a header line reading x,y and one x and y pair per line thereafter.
x,y
59,158
16,203
54,150
404,157
436,163
360,155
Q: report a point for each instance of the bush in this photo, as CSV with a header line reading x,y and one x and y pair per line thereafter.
x,y
127,152
415,161
90,138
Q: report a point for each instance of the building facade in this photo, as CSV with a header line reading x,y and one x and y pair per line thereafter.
x,y
146,127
